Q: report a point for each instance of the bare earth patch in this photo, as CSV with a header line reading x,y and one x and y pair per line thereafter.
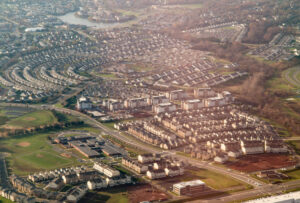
x,y
24,144
39,155
65,155
30,119
259,162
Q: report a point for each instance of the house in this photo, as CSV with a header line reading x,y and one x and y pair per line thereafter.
x,y
275,146
70,178
118,180
148,158
156,174
252,146
134,165
55,184
172,171
76,193
97,183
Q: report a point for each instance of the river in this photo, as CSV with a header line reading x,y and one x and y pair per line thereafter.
x,y
71,18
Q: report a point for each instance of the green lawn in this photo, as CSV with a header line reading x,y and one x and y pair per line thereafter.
x,y
33,119
294,174
215,180
112,195
3,200
33,153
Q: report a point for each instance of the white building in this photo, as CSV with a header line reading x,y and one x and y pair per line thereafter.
x,y
164,107
190,187
192,104
135,103
177,94
83,103
204,92
106,170
252,147
96,184
154,100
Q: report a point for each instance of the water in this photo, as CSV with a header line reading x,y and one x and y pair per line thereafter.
x,y
71,18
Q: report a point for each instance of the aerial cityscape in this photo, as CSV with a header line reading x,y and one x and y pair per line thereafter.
x,y
139,101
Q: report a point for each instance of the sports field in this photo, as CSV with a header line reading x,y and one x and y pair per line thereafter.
x,y
32,119
33,153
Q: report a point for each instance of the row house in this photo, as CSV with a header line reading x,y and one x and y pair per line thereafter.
x,y
106,170
134,165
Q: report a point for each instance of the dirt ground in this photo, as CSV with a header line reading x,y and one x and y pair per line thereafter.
x,y
141,114
259,162
24,144
145,193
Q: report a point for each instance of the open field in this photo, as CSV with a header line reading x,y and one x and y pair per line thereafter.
x,y
125,194
33,153
259,162
293,174
296,145
292,76
14,112
3,200
212,179
32,119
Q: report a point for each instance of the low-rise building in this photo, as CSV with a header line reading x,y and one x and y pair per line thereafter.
x,y
190,187
83,103
106,170
164,107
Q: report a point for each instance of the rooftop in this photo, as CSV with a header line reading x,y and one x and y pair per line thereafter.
x,y
189,183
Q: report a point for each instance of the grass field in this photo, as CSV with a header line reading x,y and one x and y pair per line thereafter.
x,y
33,153
3,200
113,195
32,119
214,180
294,174
295,145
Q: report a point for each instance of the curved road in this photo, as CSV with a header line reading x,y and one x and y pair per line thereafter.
x,y
146,147
259,187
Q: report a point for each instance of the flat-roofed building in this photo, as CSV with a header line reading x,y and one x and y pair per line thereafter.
x,y
177,94
106,170
204,92
190,187
164,107
192,104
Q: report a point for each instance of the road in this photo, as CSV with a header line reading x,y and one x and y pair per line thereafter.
x,y
260,188
145,147
261,191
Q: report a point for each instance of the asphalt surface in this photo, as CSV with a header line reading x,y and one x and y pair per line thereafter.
x,y
260,188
